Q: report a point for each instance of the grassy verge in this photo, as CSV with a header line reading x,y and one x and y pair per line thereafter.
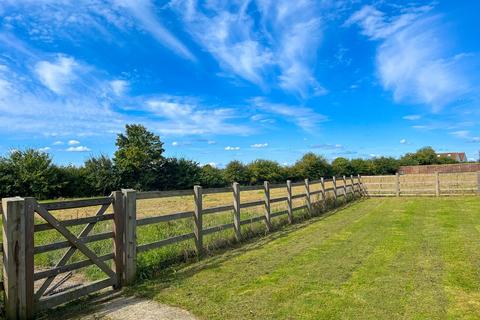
x,y
413,258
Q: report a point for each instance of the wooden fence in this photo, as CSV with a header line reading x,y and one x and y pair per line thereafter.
x,y
437,184
29,289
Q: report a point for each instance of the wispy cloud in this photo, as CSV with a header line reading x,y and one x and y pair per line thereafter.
x,y
230,148
144,12
412,117
327,146
287,40
259,145
78,149
186,116
403,141
413,58
119,87
304,117
461,133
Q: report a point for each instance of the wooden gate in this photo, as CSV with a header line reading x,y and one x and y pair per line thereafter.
x,y
29,290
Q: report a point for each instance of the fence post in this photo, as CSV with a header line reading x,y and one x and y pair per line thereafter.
x,y
307,195
334,190
353,185
18,222
130,236
478,182
119,217
324,195
198,229
344,188
266,188
437,184
236,211
289,201
397,184
362,190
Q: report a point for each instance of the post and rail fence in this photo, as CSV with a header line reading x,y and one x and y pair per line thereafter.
x,y
29,289
436,184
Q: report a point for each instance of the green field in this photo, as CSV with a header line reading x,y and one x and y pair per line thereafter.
x,y
408,258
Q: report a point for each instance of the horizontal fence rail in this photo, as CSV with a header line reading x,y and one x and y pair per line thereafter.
x,y
25,217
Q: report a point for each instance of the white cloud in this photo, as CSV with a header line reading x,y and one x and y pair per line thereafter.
x,y
412,59
78,149
304,117
259,145
211,142
57,143
44,149
403,141
412,117
119,87
57,75
174,143
229,148
73,142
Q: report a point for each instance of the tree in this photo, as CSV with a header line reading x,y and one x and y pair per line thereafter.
x,y
342,167
235,171
385,165
310,166
33,174
179,174
139,157
7,178
73,182
265,170
211,177
360,166
100,175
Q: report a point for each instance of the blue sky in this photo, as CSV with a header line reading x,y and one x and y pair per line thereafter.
x,y
223,80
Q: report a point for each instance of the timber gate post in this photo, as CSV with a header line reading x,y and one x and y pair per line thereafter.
x,y
18,270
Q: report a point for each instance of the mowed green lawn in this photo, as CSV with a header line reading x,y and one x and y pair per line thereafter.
x,y
408,258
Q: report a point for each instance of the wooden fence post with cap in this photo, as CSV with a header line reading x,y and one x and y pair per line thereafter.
x,y
236,211
18,269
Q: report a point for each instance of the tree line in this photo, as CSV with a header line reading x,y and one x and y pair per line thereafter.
x,y
139,163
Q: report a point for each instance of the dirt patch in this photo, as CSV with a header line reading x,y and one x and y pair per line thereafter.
x,y
127,308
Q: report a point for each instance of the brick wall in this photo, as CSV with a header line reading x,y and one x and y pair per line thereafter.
x,y
442,168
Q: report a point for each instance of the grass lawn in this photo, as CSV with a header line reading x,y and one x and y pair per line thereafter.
x,y
409,258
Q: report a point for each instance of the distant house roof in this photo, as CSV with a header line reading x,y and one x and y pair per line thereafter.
x,y
459,156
